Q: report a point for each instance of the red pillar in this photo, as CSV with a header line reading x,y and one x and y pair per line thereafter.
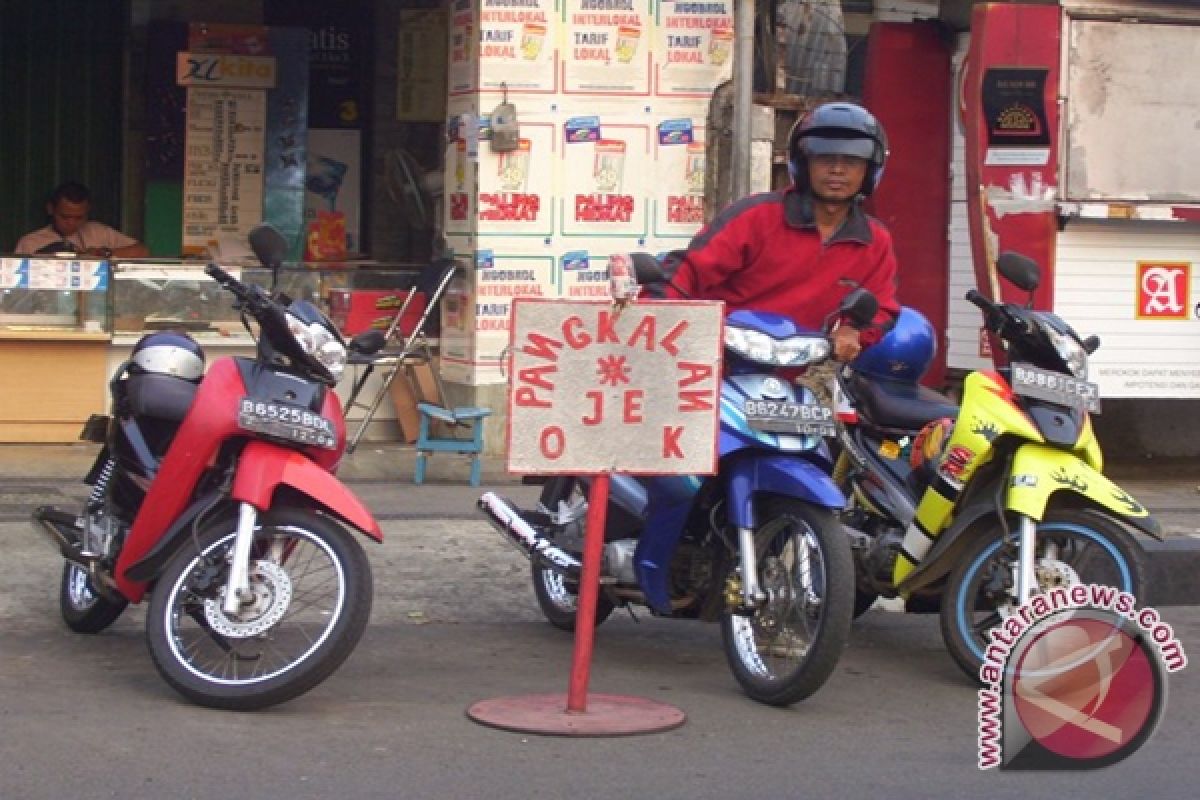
x,y
908,87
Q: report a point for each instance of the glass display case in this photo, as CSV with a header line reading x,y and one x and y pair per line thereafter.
x,y
54,295
161,295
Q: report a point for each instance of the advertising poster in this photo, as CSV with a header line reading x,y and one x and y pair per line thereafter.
x,y
518,45
607,47
606,195
421,66
500,278
223,165
1014,108
516,189
333,180
693,50
583,275
678,191
459,197
463,73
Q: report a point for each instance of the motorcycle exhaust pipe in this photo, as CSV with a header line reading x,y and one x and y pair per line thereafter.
x,y
63,529
508,521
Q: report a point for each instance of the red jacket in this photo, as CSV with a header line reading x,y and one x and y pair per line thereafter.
x,y
763,253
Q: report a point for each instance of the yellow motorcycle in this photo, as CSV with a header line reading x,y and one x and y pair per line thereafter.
x,y
972,511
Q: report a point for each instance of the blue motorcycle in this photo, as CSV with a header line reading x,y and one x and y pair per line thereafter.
x,y
757,546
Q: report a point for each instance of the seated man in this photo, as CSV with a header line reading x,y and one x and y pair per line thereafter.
x,y
70,229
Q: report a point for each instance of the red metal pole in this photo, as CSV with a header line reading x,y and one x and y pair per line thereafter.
x,y
589,587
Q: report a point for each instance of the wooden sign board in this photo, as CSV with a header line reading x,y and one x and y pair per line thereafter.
x,y
594,391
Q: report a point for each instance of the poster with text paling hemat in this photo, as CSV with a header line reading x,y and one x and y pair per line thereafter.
x,y
606,181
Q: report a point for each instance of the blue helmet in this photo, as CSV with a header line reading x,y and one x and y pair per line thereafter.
x,y
904,353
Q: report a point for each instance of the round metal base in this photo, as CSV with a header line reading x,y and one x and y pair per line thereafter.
x,y
606,715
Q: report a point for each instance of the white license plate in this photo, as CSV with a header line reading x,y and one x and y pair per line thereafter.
x,y
1054,387
283,421
782,416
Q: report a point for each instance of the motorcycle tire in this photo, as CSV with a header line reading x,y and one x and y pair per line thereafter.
x,y
864,602
984,571
558,598
83,609
311,586
802,640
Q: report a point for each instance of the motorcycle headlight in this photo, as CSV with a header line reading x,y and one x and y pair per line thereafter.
x,y
1070,351
317,341
794,351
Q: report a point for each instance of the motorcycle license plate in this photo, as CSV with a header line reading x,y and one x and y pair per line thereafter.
x,y
1054,387
782,416
283,421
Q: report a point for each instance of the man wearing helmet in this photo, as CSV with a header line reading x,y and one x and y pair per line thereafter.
x,y
798,251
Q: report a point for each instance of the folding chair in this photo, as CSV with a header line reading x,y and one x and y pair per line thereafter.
x,y
414,348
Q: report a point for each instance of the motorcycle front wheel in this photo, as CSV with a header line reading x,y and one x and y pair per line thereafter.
x,y
311,597
789,646
1073,546
83,608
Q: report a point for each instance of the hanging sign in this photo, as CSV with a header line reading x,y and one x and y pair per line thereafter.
x,y
594,391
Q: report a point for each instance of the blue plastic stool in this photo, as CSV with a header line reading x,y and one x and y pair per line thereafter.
x,y
455,417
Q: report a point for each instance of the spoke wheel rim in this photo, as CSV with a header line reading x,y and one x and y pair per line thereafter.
x,y
315,606
777,639
1080,539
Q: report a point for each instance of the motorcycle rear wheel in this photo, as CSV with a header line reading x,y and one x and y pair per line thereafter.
x,y
558,598
789,647
979,591
83,609
312,598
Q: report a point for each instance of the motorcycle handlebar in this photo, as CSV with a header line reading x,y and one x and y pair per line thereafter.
x,y
252,297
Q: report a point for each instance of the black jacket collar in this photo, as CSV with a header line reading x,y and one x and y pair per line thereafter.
x,y
798,211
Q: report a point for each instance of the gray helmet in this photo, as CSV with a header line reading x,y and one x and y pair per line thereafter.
x,y
168,353
837,128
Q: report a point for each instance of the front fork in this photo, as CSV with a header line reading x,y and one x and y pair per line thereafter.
x,y
1025,566
752,594
238,588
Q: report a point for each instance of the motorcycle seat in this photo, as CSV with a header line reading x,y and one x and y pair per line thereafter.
x,y
898,404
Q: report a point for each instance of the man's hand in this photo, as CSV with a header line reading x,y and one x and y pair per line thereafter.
x,y
622,282
845,343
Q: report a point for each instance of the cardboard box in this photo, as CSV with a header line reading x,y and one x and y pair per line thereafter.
x,y
416,383
358,310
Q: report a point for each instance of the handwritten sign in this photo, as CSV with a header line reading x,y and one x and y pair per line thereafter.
x,y
593,391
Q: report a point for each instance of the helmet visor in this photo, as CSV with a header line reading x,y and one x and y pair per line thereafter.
x,y
821,145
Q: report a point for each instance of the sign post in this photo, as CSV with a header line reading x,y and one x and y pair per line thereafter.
x,y
596,391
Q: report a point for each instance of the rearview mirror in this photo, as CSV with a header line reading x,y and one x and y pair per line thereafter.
x,y
1021,271
646,268
860,307
268,245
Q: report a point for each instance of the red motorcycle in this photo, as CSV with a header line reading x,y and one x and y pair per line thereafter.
x,y
215,494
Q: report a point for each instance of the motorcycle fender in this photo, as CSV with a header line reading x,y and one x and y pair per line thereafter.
x,y
942,557
665,523
752,472
263,468
152,564
944,554
1039,471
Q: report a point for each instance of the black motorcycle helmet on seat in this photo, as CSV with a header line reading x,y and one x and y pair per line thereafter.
x,y
164,373
171,353
838,128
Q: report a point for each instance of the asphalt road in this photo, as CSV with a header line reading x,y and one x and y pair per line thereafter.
x,y
455,622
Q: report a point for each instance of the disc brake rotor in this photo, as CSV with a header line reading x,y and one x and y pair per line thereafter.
x,y
271,591
1052,573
